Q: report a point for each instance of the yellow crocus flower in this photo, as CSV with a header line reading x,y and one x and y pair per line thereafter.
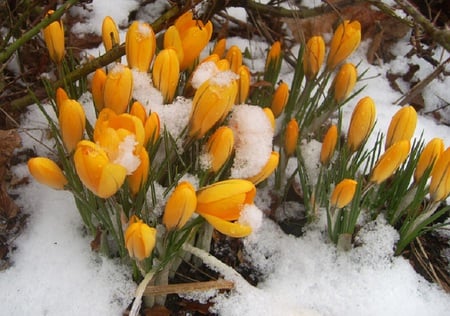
x,y
140,45
140,240
166,72
280,99
313,56
118,89
270,116
234,56
47,172
110,33
220,47
220,147
98,89
152,128
138,110
172,40
428,157
329,145
243,84
72,122
267,170
345,41
180,206
273,59
232,229
390,161
361,123
343,193
291,137
54,39
344,82
402,126
60,96
440,177
138,178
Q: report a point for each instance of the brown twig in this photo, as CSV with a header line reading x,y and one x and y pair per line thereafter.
x,y
220,284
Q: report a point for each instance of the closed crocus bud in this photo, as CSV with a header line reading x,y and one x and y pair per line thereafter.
x,y
270,116
219,48
223,65
234,56
137,179
267,170
138,110
291,137
166,71
428,157
194,35
279,99
219,147
402,126
98,88
232,229
212,102
440,177
180,206
345,40
72,121
140,45
361,123
343,193
172,40
60,96
390,161
110,33
225,199
273,60
344,82
118,89
54,39
243,84
313,56
152,128
47,172
140,240
329,145
96,171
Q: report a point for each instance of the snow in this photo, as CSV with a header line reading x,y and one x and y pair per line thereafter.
x,y
54,271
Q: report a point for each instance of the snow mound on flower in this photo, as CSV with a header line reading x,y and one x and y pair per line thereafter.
x,y
126,156
144,91
253,140
252,216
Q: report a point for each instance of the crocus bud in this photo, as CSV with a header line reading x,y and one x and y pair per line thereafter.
x,y
280,99
234,56
440,177
291,137
54,39
194,35
138,110
273,63
428,157
267,170
96,171
270,116
329,145
172,40
344,82
223,65
72,121
110,33
225,199
137,179
47,172
219,147
402,126
313,56
140,240
243,84
118,89
343,193
140,45
212,102
60,96
180,206
166,71
361,123
390,161
219,47
152,128
345,40
98,88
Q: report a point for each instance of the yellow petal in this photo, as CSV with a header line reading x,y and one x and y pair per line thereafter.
x,y
110,33
235,230
344,82
402,126
54,39
180,206
390,161
428,157
313,56
345,40
47,172
267,170
291,137
440,177
140,45
72,121
118,89
329,145
279,99
361,123
343,193
166,72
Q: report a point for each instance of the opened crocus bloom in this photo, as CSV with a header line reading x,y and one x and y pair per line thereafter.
x,y
47,172
344,82
291,137
138,110
329,145
267,170
140,45
390,161
343,193
118,89
219,147
314,56
140,240
166,71
180,206
345,40
194,35
440,177
280,99
402,126
54,39
361,123
110,33
428,157
72,121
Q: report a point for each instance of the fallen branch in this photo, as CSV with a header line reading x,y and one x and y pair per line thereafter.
x,y
220,284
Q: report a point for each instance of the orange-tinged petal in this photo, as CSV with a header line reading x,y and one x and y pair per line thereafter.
x,y
72,121
329,145
235,230
343,193
111,179
313,56
440,177
118,89
98,88
220,146
138,110
428,157
291,137
402,125
166,72
267,170
61,95
54,39
274,56
345,40
219,47
172,40
234,56
180,206
270,116
140,240
244,84
110,33
361,123
152,128
390,161
140,45
344,82
47,172
139,177
280,98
